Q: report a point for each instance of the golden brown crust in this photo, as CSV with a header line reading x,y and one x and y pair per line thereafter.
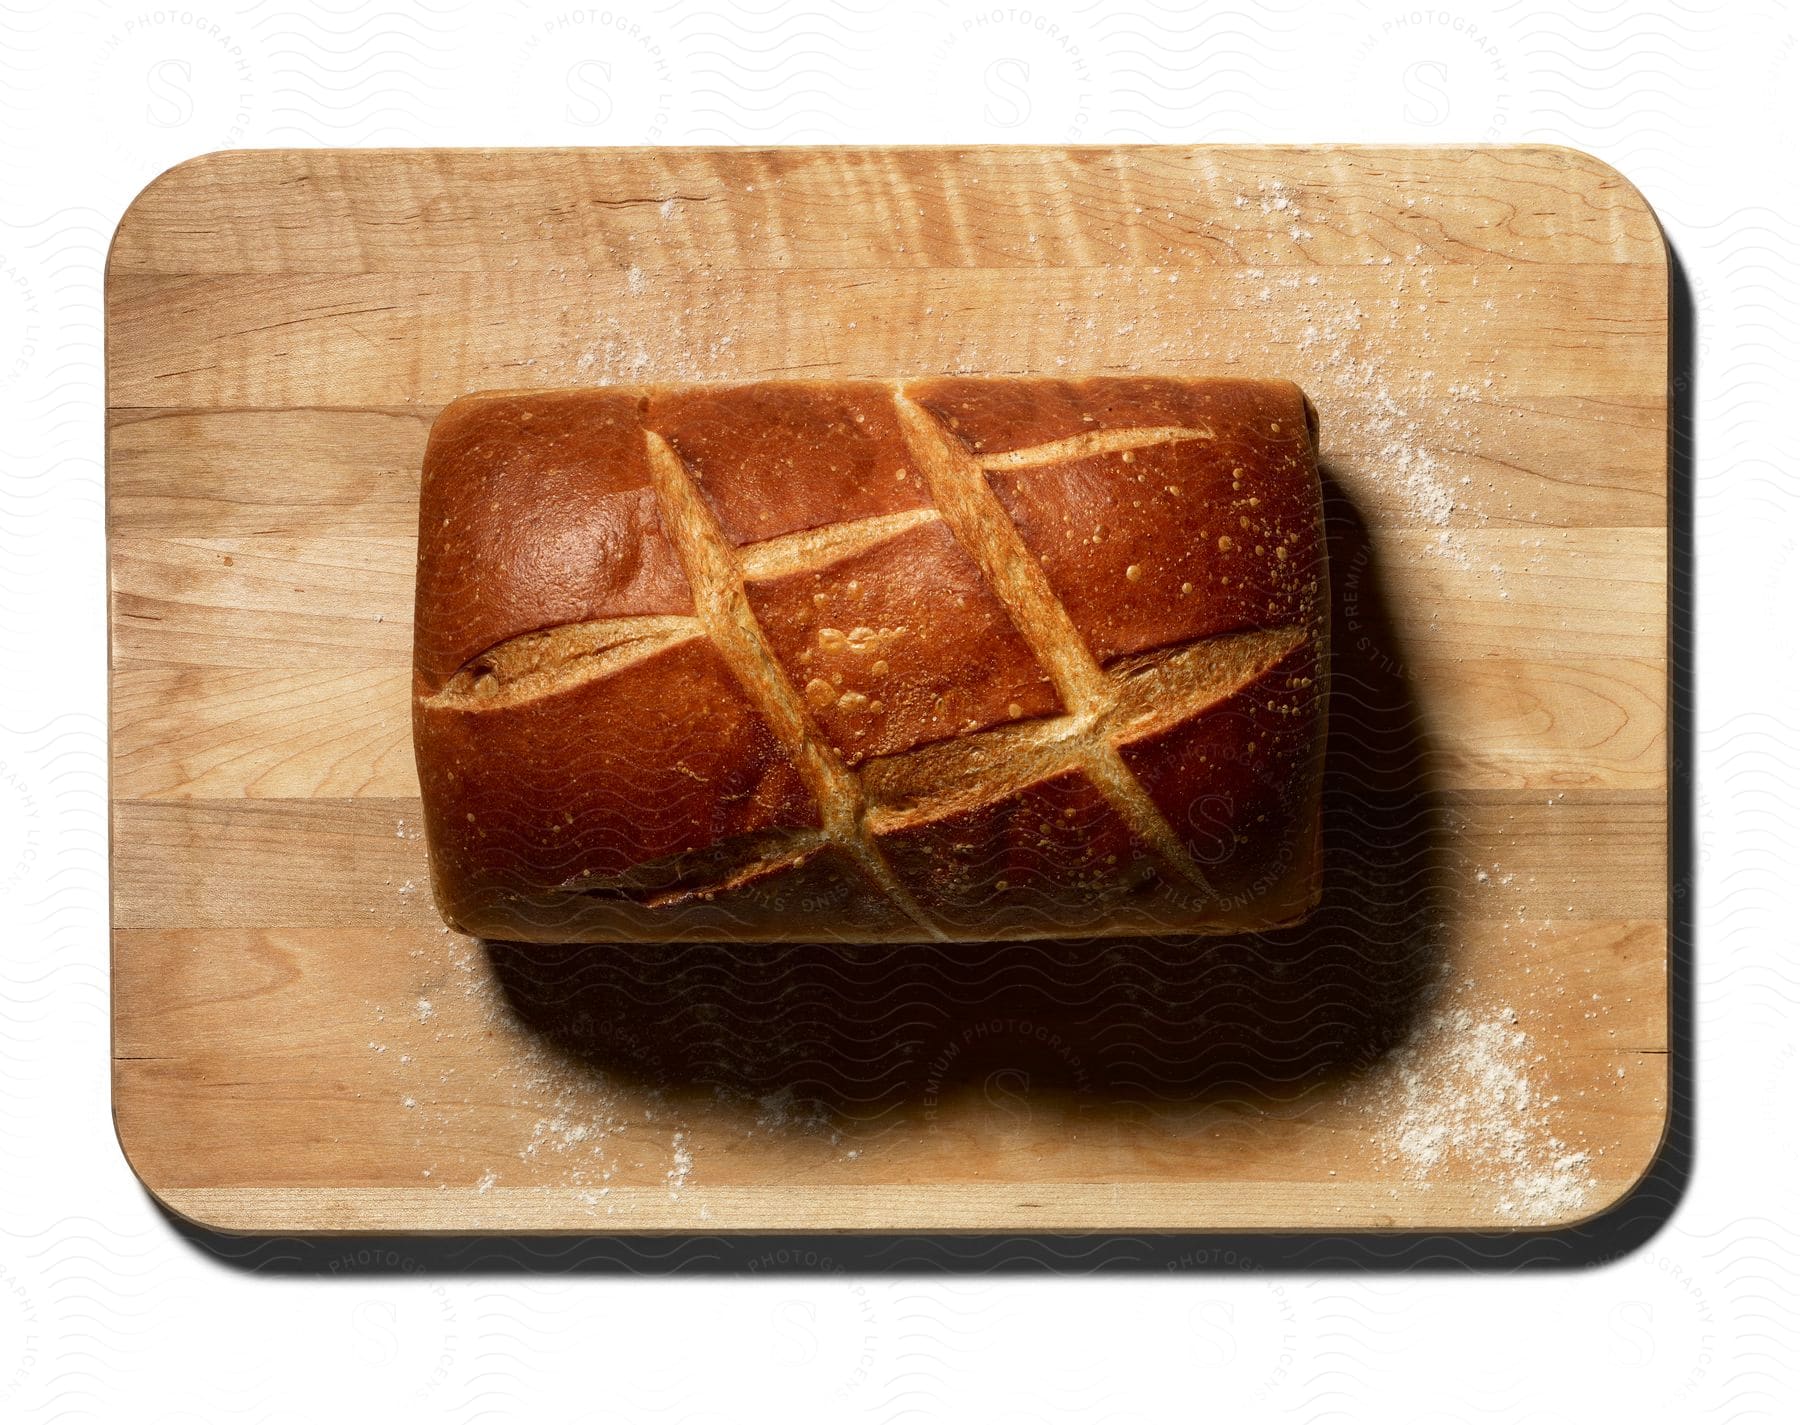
x,y
951,659
1053,857
990,416
1237,782
781,456
588,785
541,514
899,645
1099,527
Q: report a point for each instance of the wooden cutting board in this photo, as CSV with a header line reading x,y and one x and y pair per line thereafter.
x,y
1471,1033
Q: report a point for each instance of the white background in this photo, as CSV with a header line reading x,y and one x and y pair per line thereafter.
x,y
108,1312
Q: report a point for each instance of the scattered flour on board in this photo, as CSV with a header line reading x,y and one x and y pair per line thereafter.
x,y
584,1130
1396,419
1395,416
1459,1095
681,1164
1462,1087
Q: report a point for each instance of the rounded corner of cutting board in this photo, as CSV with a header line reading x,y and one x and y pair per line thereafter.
x,y
169,1199
1646,1151
1632,1162
176,176
1602,177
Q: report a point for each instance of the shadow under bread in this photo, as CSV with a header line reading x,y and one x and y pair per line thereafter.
x,y
850,1034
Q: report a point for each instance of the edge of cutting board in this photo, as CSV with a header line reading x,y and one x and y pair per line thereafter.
x,y
936,1208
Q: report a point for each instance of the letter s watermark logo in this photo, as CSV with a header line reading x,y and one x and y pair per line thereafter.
x,y
794,1323
1630,1322
1422,81
377,1336
1008,1090
588,81
170,82
1214,1332
1211,831
1007,80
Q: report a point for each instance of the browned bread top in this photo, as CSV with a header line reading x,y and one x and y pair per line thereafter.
x,y
1215,460
782,456
948,658
543,516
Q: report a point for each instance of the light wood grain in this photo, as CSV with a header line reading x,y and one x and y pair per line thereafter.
x,y
299,1045
230,472
340,213
360,847
214,732
330,1097
498,330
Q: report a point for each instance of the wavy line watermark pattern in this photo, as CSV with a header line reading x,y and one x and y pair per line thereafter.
x,y
104,1313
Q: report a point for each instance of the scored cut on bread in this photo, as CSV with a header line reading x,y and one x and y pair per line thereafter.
x,y
952,658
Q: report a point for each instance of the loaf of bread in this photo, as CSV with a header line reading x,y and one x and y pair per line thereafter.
x,y
940,659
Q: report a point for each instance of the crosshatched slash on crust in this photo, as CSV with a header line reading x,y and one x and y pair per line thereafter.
x,y
897,713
